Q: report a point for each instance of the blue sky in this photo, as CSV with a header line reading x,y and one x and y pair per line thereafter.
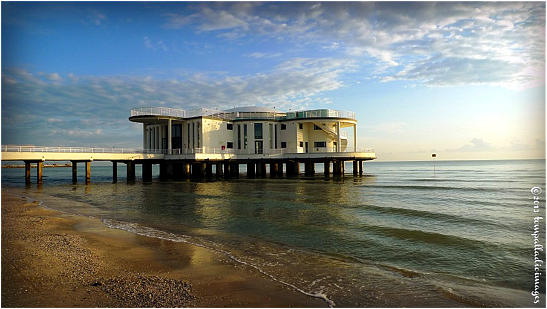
x,y
465,80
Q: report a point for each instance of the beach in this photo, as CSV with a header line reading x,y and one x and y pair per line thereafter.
x,y
54,259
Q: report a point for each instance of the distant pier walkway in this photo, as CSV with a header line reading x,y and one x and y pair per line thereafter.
x,y
187,163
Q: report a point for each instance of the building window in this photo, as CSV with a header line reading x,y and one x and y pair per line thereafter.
x,y
238,136
283,144
270,135
301,126
229,144
283,126
319,144
198,136
176,138
275,142
244,136
229,126
258,130
315,127
188,133
301,144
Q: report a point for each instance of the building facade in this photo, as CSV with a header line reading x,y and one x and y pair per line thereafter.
x,y
246,130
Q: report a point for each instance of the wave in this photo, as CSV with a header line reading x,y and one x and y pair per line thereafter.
x,y
417,187
432,215
151,232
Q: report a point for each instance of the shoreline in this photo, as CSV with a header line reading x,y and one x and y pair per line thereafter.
x,y
86,264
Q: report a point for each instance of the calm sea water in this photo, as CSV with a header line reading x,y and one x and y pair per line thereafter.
x,y
401,235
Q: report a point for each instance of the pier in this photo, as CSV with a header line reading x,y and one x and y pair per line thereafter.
x,y
195,164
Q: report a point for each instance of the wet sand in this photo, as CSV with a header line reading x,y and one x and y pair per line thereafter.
x,y
52,259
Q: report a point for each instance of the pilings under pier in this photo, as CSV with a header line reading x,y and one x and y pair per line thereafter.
x,y
147,172
27,172
309,168
39,167
326,168
114,171
130,170
227,169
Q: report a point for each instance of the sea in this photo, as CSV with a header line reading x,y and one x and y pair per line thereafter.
x,y
405,234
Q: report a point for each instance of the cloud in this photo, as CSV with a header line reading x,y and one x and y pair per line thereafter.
x,y
475,145
96,18
437,43
154,46
79,109
259,55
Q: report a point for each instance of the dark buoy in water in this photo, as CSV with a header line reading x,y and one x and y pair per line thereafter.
x,y
433,155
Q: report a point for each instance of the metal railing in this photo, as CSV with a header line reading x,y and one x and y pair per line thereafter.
x,y
158,111
320,113
64,149
180,113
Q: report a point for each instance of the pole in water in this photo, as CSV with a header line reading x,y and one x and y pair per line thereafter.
x,y
433,155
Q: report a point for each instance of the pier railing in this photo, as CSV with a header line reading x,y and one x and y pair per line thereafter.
x,y
64,149
211,150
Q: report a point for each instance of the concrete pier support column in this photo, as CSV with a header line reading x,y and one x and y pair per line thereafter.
x,y
309,168
360,167
219,172
337,168
234,170
114,171
163,171
290,168
261,169
343,164
208,170
170,169
227,171
74,171
39,167
326,168
147,171
293,168
130,171
27,172
355,167
274,169
280,169
198,169
177,170
87,172
250,169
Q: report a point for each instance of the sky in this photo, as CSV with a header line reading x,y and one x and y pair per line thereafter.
x,y
463,80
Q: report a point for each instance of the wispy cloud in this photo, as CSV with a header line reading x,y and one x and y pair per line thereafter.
x,y
158,45
74,108
475,145
259,55
437,43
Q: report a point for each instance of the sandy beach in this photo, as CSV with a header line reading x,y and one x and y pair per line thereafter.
x,y
52,259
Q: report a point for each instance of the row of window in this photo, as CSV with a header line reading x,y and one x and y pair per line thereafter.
x,y
230,126
316,144
284,144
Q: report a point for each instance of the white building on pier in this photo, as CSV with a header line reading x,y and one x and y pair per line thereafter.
x,y
245,130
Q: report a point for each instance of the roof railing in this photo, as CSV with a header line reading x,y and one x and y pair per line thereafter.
x,y
180,113
158,111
